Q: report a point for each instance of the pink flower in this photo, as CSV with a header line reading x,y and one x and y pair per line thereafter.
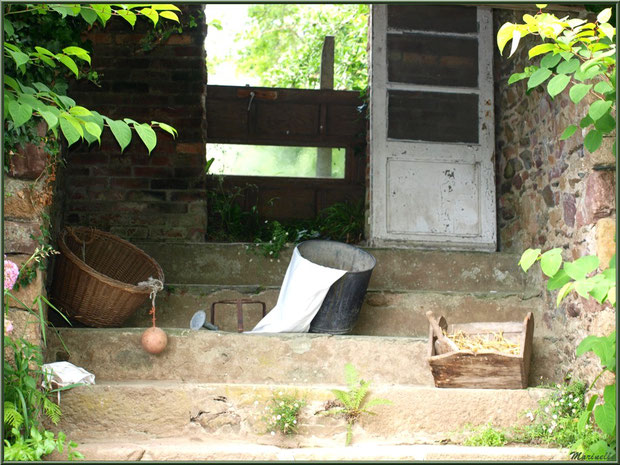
x,y
10,274
8,327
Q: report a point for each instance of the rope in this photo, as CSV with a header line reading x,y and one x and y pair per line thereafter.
x,y
80,241
155,285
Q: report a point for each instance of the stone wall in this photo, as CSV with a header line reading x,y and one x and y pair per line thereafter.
x,y
552,193
28,194
133,194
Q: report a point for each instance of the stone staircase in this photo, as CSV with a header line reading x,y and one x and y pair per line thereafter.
x,y
203,398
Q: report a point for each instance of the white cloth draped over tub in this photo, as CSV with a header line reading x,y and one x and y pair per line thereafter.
x,y
303,290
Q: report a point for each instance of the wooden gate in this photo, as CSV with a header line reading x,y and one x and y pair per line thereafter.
x,y
290,117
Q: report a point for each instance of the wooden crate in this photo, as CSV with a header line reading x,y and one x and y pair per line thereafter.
x,y
484,369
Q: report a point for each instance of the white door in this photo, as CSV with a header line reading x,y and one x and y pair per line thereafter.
x,y
431,127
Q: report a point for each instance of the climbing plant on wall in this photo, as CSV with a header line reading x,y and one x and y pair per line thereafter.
x,y
579,57
576,55
34,80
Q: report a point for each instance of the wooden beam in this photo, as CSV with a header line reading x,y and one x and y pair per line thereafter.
x,y
324,155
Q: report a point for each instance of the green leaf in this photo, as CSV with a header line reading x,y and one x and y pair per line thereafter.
x,y
557,84
20,113
79,111
568,67
605,124
147,135
504,34
166,127
8,27
104,12
608,30
517,77
540,49
604,16
41,87
599,291
558,280
585,122
563,293
598,109
20,58
128,16
31,101
583,287
64,10
588,343
603,87
568,132
151,14
78,52
45,59
12,83
44,51
578,92
68,62
593,140
69,131
528,258
612,262
581,267
89,15
539,76
94,129
550,61
585,416
121,132
551,261
605,417
165,6
49,117
169,15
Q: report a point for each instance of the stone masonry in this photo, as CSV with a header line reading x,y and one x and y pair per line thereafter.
x,y
552,193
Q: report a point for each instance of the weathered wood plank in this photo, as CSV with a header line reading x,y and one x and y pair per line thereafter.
x,y
483,370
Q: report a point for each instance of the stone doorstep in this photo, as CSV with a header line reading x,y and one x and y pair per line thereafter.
x,y
418,414
205,449
384,313
404,269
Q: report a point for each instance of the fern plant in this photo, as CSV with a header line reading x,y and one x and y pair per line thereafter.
x,y
12,417
353,403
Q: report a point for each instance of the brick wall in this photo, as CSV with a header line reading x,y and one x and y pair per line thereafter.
x,y
552,193
136,195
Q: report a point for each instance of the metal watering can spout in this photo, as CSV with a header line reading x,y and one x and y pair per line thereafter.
x,y
199,321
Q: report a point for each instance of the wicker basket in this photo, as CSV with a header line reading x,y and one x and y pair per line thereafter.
x,y
96,277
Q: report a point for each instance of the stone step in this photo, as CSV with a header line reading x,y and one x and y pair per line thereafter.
x,y
160,409
223,357
384,313
228,357
396,269
201,450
